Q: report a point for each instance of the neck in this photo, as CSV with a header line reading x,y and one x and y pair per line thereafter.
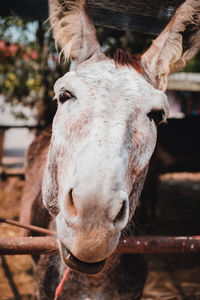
x,y
123,277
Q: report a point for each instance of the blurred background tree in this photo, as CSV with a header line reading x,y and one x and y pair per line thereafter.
x,y
28,67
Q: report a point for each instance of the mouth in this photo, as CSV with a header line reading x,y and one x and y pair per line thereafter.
x,y
74,263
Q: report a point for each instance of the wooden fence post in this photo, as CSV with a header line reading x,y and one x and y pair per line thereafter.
x,y
2,134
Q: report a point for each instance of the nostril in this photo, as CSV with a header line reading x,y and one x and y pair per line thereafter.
x,y
70,203
121,214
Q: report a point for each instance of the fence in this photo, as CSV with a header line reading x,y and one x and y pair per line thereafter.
x,y
138,244
4,173
142,245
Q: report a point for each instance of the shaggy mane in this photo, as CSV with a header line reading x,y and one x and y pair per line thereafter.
x,y
125,58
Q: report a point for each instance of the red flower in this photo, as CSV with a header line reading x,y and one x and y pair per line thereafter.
x,y
34,54
26,56
13,48
2,45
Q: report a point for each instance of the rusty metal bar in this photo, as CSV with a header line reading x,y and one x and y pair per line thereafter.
x,y
160,244
28,245
142,244
6,127
27,226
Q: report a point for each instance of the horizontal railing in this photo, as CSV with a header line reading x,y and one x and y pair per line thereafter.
x,y
141,244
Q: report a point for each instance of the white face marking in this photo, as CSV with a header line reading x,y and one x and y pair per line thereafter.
x,y
101,145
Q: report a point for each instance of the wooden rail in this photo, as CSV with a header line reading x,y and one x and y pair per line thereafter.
x,y
142,245
11,172
6,127
146,16
3,128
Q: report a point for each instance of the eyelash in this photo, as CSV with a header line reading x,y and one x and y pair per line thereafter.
x,y
65,96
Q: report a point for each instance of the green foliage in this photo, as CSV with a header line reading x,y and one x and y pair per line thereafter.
x,y
194,65
19,73
12,29
28,66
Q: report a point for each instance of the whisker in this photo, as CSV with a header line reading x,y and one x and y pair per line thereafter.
x,y
129,230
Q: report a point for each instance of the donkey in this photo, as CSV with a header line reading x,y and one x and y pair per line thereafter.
x,y
103,136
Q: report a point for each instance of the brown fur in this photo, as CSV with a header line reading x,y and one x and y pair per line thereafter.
x,y
117,281
125,58
35,163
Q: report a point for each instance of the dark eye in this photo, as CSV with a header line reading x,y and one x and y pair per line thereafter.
x,y
157,116
65,95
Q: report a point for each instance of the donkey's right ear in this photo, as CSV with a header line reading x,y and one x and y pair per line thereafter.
x,y
73,29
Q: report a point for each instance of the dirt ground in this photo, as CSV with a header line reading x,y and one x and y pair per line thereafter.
x,y
16,274
175,276
170,277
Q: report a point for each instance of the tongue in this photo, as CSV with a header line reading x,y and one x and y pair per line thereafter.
x,y
61,284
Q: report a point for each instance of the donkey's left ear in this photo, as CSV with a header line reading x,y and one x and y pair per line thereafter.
x,y
73,29
175,46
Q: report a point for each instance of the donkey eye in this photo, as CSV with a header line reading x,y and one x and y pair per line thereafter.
x,y
65,95
157,116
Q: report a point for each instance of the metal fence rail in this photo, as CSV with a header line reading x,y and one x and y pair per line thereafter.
x,y
142,244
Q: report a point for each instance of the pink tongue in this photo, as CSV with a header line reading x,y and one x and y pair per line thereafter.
x,y
61,284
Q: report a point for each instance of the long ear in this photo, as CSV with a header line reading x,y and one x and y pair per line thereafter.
x,y
175,46
73,29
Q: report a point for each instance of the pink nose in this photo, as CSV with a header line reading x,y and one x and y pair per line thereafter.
x,y
115,211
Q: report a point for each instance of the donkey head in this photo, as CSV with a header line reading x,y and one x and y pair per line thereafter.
x,y
104,131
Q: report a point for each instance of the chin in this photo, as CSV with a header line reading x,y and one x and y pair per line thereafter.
x,y
78,265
